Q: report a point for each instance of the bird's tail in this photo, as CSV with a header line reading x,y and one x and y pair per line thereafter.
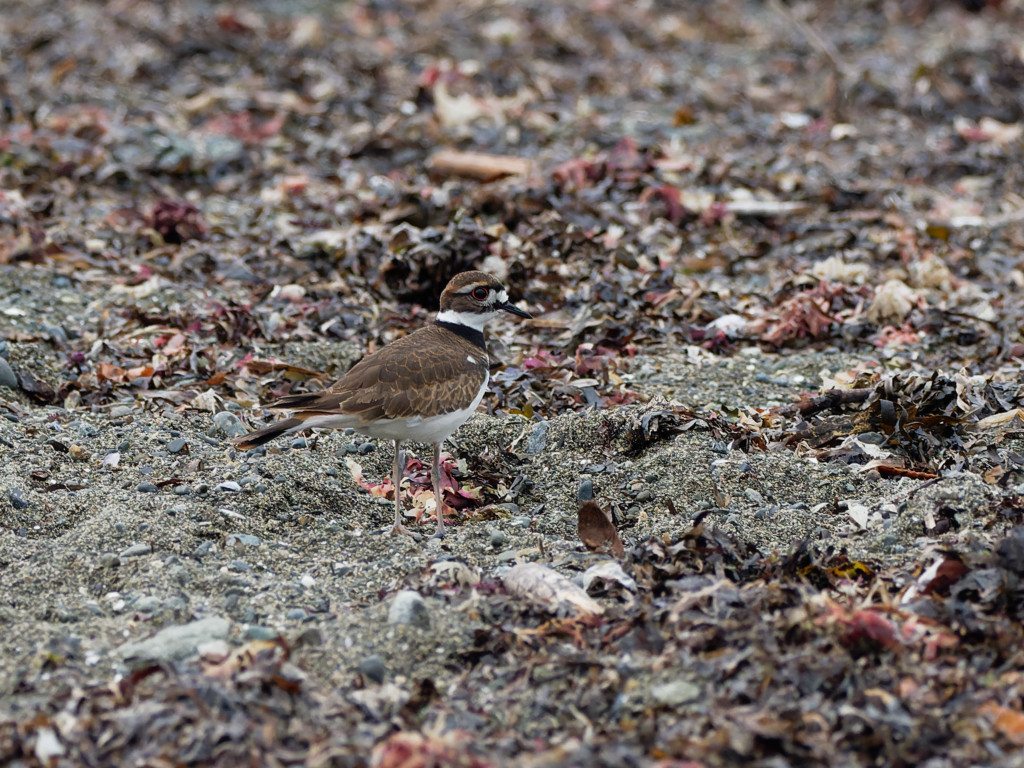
x,y
265,435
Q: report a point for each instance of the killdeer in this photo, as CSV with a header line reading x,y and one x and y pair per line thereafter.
x,y
421,387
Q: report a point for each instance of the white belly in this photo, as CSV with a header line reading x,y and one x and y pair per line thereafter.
x,y
430,429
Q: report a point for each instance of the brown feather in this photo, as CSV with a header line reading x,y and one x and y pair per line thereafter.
x,y
422,374
265,435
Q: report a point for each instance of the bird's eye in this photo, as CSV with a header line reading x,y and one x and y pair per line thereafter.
x,y
480,294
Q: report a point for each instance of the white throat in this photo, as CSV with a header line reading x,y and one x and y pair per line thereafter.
x,y
475,320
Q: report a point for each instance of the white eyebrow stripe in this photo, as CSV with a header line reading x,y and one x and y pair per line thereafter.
x,y
503,296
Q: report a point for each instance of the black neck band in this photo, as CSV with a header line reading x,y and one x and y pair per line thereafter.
x,y
469,334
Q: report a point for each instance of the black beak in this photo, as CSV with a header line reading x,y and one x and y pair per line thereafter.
x,y
513,309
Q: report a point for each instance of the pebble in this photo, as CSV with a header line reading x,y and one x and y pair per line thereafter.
x,y
205,548
410,608
299,442
229,425
7,377
753,495
240,566
244,540
372,668
146,487
120,411
181,490
537,440
585,491
644,495
16,499
147,604
257,632
176,445
175,643
136,550
497,537
295,614
367,448
229,485
675,693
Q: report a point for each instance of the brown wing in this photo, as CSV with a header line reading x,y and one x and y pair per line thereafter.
x,y
425,373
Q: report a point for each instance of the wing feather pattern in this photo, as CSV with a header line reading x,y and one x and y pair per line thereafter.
x,y
423,374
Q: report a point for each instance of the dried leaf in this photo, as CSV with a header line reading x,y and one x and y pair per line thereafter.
x,y
596,530
548,590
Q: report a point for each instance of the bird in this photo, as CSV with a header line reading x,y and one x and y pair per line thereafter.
x,y
421,387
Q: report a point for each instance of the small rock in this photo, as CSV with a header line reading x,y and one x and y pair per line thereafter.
x,y
675,693
119,411
537,440
7,377
754,496
409,607
136,550
243,539
175,643
146,487
229,485
147,604
257,632
497,537
367,448
299,442
78,453
176,445
205,548
16,499
229,424
295,614
585,491
372,668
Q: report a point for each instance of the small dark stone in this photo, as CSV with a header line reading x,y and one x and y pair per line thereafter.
x,y
367,448
177,445
17,501
586,491
372,668
204,549
146,487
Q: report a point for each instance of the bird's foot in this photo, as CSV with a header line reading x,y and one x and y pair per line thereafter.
x,y
399,528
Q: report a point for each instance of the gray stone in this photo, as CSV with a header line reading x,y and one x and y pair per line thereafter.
x,y
675,693
372,668
146,487
175,643
147,604
229,485
16,499
258,632
205,548
497,537
244,540
136,550
537,440
410,608
7,377
229,425
753,495
177,445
